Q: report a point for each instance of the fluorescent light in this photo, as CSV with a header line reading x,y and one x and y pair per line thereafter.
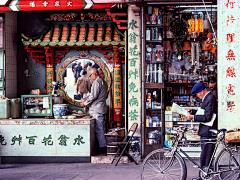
x,y
199,9
202,6
174,3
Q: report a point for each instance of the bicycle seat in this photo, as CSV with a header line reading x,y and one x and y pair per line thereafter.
x,y
215,131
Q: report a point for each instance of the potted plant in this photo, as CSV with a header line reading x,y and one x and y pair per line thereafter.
x,y
179,28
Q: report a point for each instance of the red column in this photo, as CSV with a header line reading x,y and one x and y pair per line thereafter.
x,y
117,87
50,69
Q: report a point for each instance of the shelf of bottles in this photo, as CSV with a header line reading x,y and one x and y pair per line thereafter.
x,y
154,57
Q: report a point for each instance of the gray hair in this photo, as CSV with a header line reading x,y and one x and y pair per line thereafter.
x,y
95,71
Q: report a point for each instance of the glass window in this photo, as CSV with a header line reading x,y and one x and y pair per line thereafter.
x,y
2,55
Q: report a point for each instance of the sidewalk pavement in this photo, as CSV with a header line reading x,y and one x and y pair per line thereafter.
x,y
76,171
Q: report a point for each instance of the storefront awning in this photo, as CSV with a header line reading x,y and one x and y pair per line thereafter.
x,y
45,5
77,34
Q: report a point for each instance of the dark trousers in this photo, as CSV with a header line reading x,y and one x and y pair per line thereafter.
x,y
207,151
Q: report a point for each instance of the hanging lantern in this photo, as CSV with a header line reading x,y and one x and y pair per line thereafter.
x,y
195,25
214,50
208,47
209,35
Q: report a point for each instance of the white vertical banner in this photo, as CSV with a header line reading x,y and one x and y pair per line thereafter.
x,y
134,81
228,64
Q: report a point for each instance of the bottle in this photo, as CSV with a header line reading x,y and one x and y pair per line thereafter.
x,y
159,74
160,18
150,122
159,35
154,33
148,34
147,121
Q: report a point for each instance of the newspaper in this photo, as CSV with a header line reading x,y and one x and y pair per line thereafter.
x,y
178,109
201,112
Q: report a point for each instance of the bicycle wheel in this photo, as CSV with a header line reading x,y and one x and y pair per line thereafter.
x,y
159,164
225,161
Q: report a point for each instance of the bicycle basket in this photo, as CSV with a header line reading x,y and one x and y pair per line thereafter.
x,y
232,136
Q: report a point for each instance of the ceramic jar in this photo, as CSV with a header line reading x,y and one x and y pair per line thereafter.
x,y
60,110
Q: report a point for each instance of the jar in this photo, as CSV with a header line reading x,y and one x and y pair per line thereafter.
x,y
60,109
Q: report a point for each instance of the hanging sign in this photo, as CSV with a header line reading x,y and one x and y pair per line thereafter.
x,y
228,64
134,79
44,5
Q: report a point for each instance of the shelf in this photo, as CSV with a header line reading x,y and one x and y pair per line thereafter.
x,y
158,145
154,85
182,122
153,109
154,127
154,62
181,95
155,41
154,25
180,84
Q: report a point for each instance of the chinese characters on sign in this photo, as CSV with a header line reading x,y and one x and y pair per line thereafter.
x,y
47,141
46,3
134,79
230,60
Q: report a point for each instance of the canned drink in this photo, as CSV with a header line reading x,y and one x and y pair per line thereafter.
x,y
147,121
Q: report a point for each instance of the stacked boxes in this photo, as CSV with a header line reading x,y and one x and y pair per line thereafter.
x,y
168,128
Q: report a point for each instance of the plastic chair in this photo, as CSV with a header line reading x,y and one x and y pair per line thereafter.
x,y
122,146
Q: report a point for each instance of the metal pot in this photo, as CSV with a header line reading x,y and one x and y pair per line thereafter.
x,y
152,135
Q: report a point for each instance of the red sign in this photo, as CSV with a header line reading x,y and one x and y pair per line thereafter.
x,y
230,56
231,72
42,5
230,89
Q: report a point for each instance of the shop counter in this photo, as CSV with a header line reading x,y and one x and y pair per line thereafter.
x,y
42,140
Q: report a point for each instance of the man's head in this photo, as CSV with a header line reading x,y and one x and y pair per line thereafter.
x,y
212,82
90,64
100,72
85,73
199,90
93,74
79,63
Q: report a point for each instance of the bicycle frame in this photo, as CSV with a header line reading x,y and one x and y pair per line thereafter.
x,y
176,149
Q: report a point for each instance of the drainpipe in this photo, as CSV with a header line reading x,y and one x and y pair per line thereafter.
x,y
142,79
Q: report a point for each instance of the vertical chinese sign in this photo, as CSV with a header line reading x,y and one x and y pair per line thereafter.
x,y
134,81
228,64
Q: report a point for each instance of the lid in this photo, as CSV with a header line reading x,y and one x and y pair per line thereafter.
x,y
60,105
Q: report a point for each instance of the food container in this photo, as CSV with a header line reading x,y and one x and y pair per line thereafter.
x,y
15,108
60,110
5,108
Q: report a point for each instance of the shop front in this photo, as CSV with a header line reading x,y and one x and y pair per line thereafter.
x,y
178,49
49,43
168,46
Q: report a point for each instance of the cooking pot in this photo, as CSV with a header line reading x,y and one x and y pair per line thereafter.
x,y
152,135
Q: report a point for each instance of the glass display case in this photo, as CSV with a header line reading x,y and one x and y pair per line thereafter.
x,y
154,79
36,105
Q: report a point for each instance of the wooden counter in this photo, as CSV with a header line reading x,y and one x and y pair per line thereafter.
x,y
40,140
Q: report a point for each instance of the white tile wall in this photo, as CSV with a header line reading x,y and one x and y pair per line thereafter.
x,y
11,54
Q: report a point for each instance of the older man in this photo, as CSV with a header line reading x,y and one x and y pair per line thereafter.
x,y
207,120
96,102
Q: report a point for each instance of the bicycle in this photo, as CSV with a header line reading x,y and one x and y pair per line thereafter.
x,y
169,163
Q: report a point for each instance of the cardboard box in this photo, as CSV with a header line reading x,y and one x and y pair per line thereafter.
x,y
5,108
